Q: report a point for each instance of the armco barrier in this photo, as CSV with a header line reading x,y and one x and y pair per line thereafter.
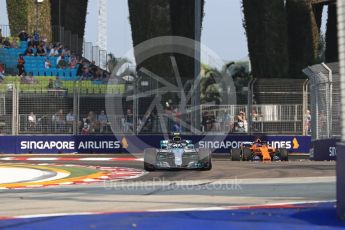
x,y
136,144
323,150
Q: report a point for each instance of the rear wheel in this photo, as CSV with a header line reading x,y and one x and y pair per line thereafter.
x,y
150,156
283,154
205,157
236,155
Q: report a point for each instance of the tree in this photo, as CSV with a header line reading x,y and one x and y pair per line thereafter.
x,y
332,34
210,85
154,18
72,17
304,35
265,25
113,62
26,15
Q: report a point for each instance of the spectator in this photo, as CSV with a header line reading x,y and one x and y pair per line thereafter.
x,y
211,120
51,84
23,36
47,64
14,43
32,120
59,120
61,63
29,79
70,119
98,75
91,119
204,121
20,65
6,43
73,62
255,115
241,122
60,49
58,83
66,52
86,75
41,51
226,123
36,39
85,130
307,124
103,121
49,48
93,68
29,51
2,72
31,41
54,52
44,39
176,128
129,121
1,36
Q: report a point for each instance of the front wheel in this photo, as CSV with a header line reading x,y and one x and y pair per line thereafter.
x,y
246,154
236,155
206,158
150,156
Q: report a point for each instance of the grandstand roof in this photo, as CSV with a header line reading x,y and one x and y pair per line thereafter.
x,y
323,1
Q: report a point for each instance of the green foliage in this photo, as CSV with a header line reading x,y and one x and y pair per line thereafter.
x,y
304,36
149,19
114,61
282,40
73,16
17,15
27,15
240,75
332,54
265,24
210,88
154,18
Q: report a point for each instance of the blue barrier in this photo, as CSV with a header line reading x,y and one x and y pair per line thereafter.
x,y
323,150
341,180
136,144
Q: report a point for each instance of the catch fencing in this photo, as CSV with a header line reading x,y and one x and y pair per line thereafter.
x,y
82,108
325,101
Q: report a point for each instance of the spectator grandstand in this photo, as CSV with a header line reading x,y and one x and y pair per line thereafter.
x,y
38,52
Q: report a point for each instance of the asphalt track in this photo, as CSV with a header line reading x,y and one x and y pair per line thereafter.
x,y
227,184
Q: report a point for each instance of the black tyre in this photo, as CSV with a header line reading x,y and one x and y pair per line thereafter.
x,y
246,154
206,158
236,155
150,158
283,154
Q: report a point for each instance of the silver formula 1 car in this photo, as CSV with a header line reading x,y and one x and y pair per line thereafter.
x,y
177,153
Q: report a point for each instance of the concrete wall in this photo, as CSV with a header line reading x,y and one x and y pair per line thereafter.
x,y
341,146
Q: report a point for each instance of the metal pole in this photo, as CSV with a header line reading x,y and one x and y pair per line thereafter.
x,y
14,109
60,39
36,15
305,107
197,38
250,105
330,95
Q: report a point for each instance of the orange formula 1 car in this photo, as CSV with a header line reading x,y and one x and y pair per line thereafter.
x,y
258,151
